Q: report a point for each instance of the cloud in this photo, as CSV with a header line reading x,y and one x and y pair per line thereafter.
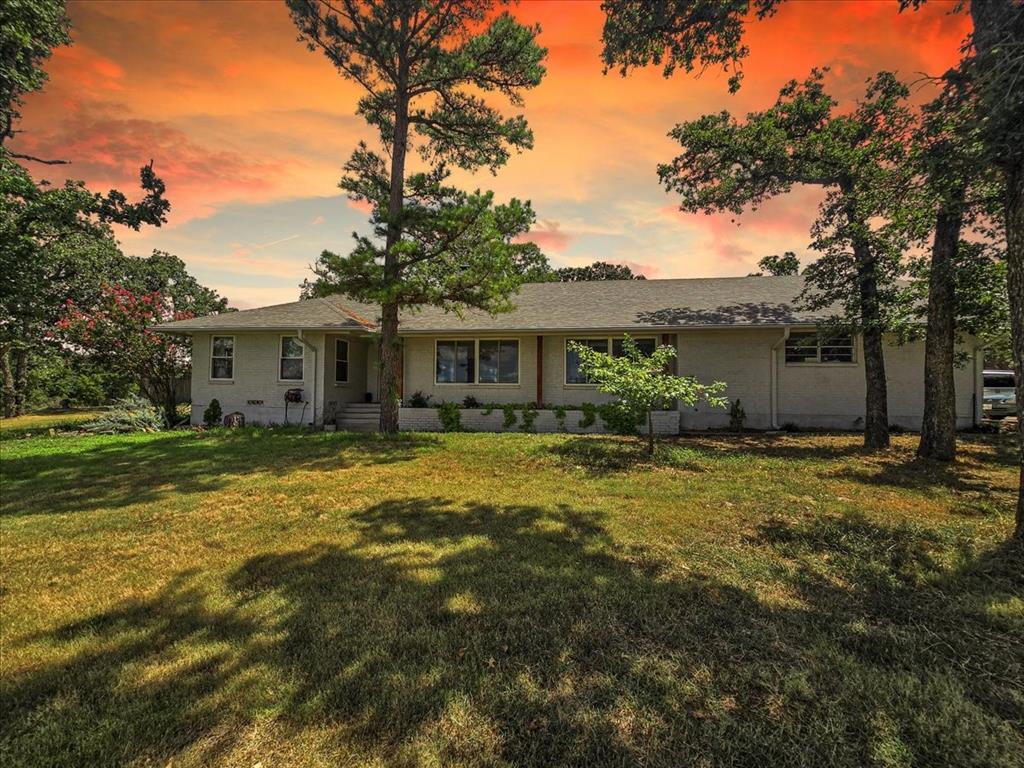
x,y
317,221
548,236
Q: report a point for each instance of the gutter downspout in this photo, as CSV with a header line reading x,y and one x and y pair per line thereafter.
x,y
773,394
307,345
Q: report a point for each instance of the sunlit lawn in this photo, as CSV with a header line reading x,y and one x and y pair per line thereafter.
x,y
280,598
43,421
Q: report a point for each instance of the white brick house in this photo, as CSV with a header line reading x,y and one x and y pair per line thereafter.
x,y
746,332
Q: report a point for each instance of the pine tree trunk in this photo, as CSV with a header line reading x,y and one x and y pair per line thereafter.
x,y
390,344
7,379
20,380
938,426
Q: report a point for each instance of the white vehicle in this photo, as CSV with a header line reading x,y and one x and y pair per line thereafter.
x,y
999,398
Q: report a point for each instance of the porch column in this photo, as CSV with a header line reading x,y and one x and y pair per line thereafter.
x,y
540,370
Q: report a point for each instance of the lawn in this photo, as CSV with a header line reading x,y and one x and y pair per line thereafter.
x,y
272,597
44,421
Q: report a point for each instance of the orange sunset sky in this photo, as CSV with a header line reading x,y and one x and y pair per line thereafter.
x,y
249,131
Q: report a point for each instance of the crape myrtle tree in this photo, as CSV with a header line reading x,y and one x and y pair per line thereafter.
x,y
858,158
642,382
426,67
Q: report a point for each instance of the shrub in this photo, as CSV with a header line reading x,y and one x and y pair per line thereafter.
x,y
529,417
509,409
560,417
470,402
736,416
450,416
620,418
129,414
212,415
789,426
419,400
589,415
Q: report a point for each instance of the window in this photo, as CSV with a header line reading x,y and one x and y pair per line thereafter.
x,y
291,359
222,358
454,363
573,375
499,361
341,361
812,347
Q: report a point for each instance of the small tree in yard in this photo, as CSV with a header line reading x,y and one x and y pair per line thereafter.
x,y
644,382
115,332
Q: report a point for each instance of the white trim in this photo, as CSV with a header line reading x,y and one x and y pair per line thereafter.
x,y
222,357
280,356
348,361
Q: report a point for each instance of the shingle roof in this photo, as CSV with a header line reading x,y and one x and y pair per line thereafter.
x,y
598,305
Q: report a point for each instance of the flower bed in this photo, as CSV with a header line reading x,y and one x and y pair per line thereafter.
x,y
547,420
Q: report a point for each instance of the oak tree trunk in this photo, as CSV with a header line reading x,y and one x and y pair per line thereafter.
x,y
6,381
876,401
1015,282
20,380
938,427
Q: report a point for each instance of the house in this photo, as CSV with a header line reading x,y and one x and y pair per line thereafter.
x,y
747,332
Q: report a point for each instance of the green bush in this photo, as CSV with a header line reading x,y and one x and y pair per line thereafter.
x,y
589,415
509,409
736,416
419,400
529,417
129,414
620,418
560,417
450,416
470,402
212,415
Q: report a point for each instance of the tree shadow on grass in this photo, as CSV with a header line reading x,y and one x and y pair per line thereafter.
x,y
477,634
122,470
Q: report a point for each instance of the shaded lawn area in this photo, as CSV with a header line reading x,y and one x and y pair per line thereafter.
x,y
289,598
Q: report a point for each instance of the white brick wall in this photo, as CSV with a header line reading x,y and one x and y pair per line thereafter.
x,y
474,420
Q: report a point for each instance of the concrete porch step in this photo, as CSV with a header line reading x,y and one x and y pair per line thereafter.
x,y
359,417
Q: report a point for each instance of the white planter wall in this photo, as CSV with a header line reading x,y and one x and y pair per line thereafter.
x,y
475,420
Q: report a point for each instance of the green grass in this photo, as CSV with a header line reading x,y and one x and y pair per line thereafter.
x,y
43,421
279,598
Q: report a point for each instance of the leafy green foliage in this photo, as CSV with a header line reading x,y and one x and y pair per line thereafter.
x,y
673,34
509,410
642,382
529,418
450,416
786,264
130,414
213,414
29,31
737,416
419,399
560,414
618,417
599,270
589,416
427,69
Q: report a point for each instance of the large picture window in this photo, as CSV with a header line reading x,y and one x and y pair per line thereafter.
x,y
573,375
291,359
499,361
455,362
341,361
222,358
813,347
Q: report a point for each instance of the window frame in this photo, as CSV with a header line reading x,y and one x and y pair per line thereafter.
x,y
817,361
476,361
222,357
281,358
610,340
348,361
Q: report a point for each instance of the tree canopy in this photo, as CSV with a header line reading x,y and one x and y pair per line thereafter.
x,y
427,70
